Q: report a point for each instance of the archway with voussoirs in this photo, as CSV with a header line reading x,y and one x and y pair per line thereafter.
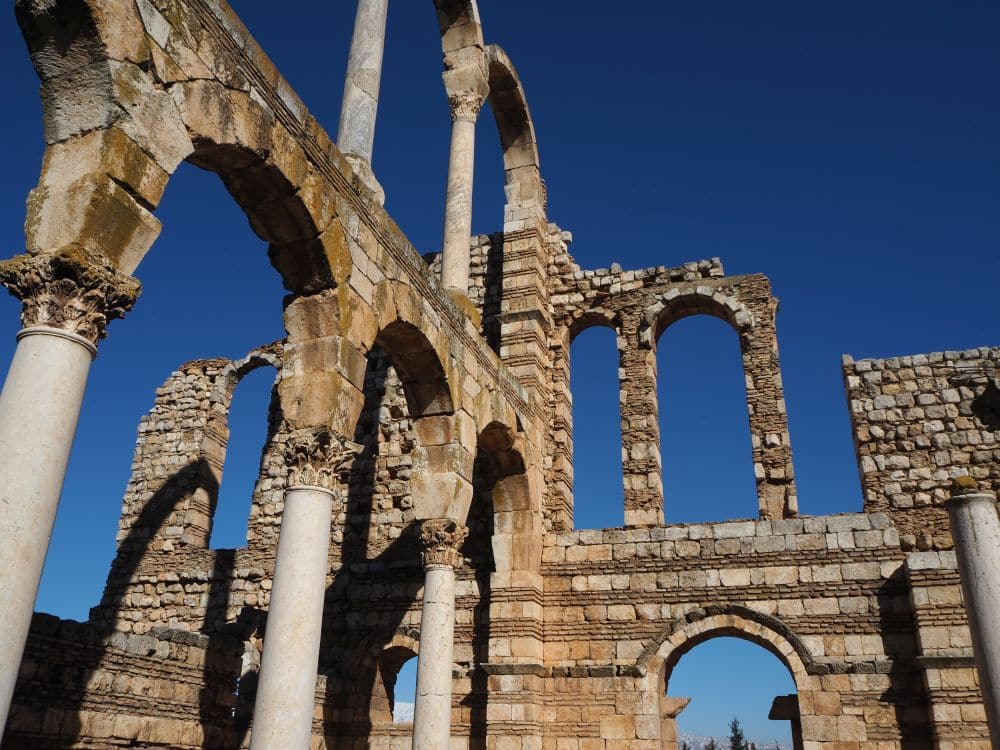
x,y
768,670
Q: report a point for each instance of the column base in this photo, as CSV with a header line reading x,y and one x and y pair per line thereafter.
x,y
364,171
467,306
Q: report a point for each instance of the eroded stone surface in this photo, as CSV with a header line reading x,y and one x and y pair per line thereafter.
x,y
418,408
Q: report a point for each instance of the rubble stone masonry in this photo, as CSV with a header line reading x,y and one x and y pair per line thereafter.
x,y
457,408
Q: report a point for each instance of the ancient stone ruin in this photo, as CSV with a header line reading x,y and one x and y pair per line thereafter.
x,y
415,494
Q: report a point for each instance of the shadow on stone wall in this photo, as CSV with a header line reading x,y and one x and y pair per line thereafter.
x,y
906,696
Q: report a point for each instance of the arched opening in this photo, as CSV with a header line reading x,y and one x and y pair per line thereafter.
x,y
598,490
489,197
208,291
377,523
249,420
419,369
379,573
396,686
725,678
705,448
411,92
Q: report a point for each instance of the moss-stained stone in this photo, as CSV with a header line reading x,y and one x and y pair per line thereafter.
x,y
564,640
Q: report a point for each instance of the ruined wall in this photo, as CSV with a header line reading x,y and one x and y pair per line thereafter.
x,y
575,655
88,687
165,575
825,594
639,306
918,422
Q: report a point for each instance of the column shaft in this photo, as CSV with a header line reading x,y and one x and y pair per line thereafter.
x,y
975,526
39,408
358,112
432,713
458,207
283,710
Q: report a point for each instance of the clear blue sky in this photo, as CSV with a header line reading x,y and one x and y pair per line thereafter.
x,y
848,150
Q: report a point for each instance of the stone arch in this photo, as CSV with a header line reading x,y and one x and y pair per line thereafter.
x,y
419,369
570,438
596,317
420,353
113,134
663,652
388,662
676,305
235,371
517,514
416,349
770,445
516,128
288,203
661,655
109,160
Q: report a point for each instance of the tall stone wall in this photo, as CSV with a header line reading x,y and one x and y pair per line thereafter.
x,y
564,640
824,594
876,640
639,306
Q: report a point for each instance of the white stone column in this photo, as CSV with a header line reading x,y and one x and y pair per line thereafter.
x,y
975,527
442,538
356,136
67,302
283,708
468,88
359,110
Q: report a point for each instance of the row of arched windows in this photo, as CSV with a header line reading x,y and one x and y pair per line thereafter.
x,y
702,419
704,433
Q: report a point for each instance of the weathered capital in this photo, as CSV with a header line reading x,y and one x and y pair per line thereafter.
x,y
441,539
71,289
318,457
465,106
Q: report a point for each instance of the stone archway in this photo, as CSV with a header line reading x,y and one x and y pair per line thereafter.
x,y
664,652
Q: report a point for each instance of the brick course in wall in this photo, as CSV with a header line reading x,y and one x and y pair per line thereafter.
x,y
564,640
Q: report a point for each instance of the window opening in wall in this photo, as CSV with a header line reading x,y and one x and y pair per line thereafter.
x,y
397,668
405,694
489,198
705,449
729,678
248,425
598,490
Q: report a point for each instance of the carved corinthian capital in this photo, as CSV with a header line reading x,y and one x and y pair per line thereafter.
x,y
441,539
72,290
318,457
465,105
